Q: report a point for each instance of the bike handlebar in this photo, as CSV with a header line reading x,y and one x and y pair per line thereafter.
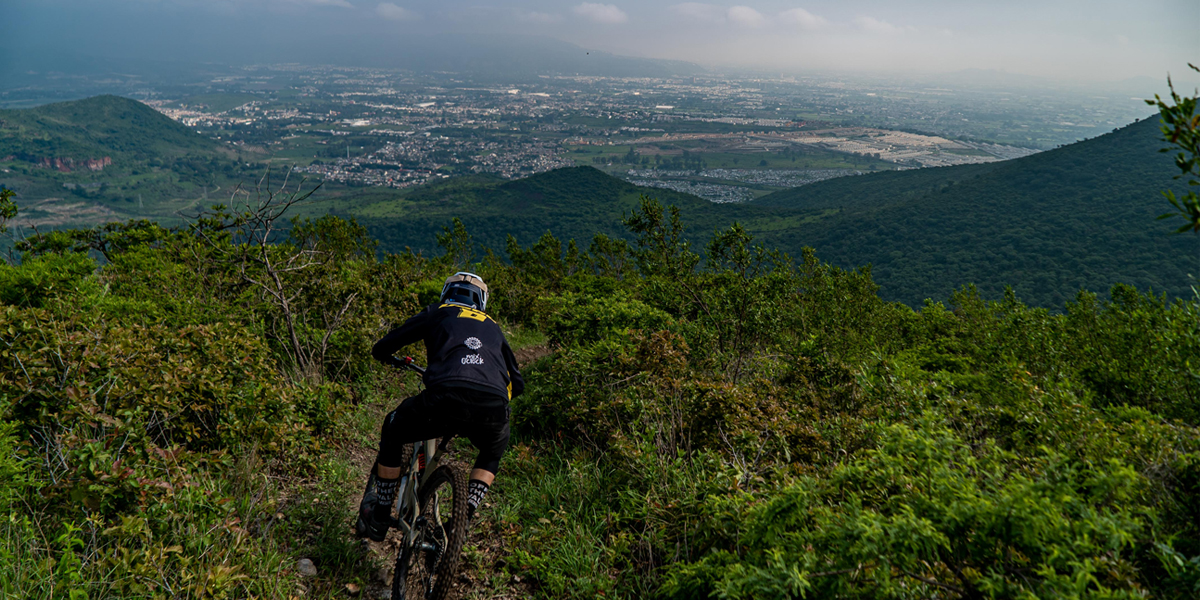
x,y
411,365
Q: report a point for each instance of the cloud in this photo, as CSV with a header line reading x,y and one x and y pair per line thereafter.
x,y
337,3
392,12
1123,40
874,25
710,13
803,19
601,13
746,16
541,18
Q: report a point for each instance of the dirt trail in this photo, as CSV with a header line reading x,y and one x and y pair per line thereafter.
x,y
481,570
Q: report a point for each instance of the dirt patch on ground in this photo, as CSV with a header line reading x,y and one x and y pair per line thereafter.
x,y
530,354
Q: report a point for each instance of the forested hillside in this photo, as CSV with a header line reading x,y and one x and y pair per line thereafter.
x,y
115,158
1079,217
100,126
574,203
1049,225
180,409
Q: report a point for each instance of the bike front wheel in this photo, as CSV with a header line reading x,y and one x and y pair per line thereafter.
x,y
425,569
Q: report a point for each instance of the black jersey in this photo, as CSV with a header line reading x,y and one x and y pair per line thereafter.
x,y
464,348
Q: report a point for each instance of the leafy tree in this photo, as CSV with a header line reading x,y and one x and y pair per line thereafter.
x,y
299,280
107,240
661,248
457,243
1181,127
8,208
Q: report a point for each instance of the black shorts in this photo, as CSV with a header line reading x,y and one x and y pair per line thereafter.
x,y
441,412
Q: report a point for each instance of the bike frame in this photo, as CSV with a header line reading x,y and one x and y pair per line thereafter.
x,y
408,499
409,509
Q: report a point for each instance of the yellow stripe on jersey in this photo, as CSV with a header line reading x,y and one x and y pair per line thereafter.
x,y
467,313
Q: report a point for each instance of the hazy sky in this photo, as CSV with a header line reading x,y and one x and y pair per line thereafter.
x,y
1095,40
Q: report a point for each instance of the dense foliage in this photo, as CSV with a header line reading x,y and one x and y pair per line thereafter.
x,y
712,421
758,428
163,404
1181,127
1048,225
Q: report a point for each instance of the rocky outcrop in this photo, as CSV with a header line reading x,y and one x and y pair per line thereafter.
x,y
66,165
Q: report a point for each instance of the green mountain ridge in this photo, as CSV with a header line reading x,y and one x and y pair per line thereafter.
x,y
1080,216
570,203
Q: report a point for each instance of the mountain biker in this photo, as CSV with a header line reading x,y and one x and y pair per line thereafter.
x,y
470,376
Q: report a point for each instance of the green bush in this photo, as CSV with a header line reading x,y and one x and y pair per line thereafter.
x,y
149,406
577,319
38,280
854,448
12,470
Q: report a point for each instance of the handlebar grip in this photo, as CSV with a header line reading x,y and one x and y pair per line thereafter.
x,y
410,364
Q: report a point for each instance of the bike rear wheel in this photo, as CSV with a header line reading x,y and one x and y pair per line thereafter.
x,y
425,569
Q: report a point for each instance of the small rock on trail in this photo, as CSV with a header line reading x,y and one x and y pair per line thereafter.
x,y
306,568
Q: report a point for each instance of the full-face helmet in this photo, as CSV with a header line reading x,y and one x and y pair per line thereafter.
x,y
465,289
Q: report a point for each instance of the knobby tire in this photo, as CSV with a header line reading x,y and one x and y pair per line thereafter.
x,y
423,574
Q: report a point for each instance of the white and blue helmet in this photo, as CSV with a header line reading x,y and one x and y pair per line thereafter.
x,y
465,289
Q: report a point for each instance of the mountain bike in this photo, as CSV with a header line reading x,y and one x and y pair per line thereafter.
x,y
430,515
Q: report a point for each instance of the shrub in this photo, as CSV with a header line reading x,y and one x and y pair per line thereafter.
x,y
925,515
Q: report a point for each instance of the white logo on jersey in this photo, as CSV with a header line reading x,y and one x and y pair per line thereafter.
x,y
473,343
472,359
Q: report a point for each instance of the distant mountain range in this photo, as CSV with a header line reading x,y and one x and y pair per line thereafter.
x,y
483,57
506,57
